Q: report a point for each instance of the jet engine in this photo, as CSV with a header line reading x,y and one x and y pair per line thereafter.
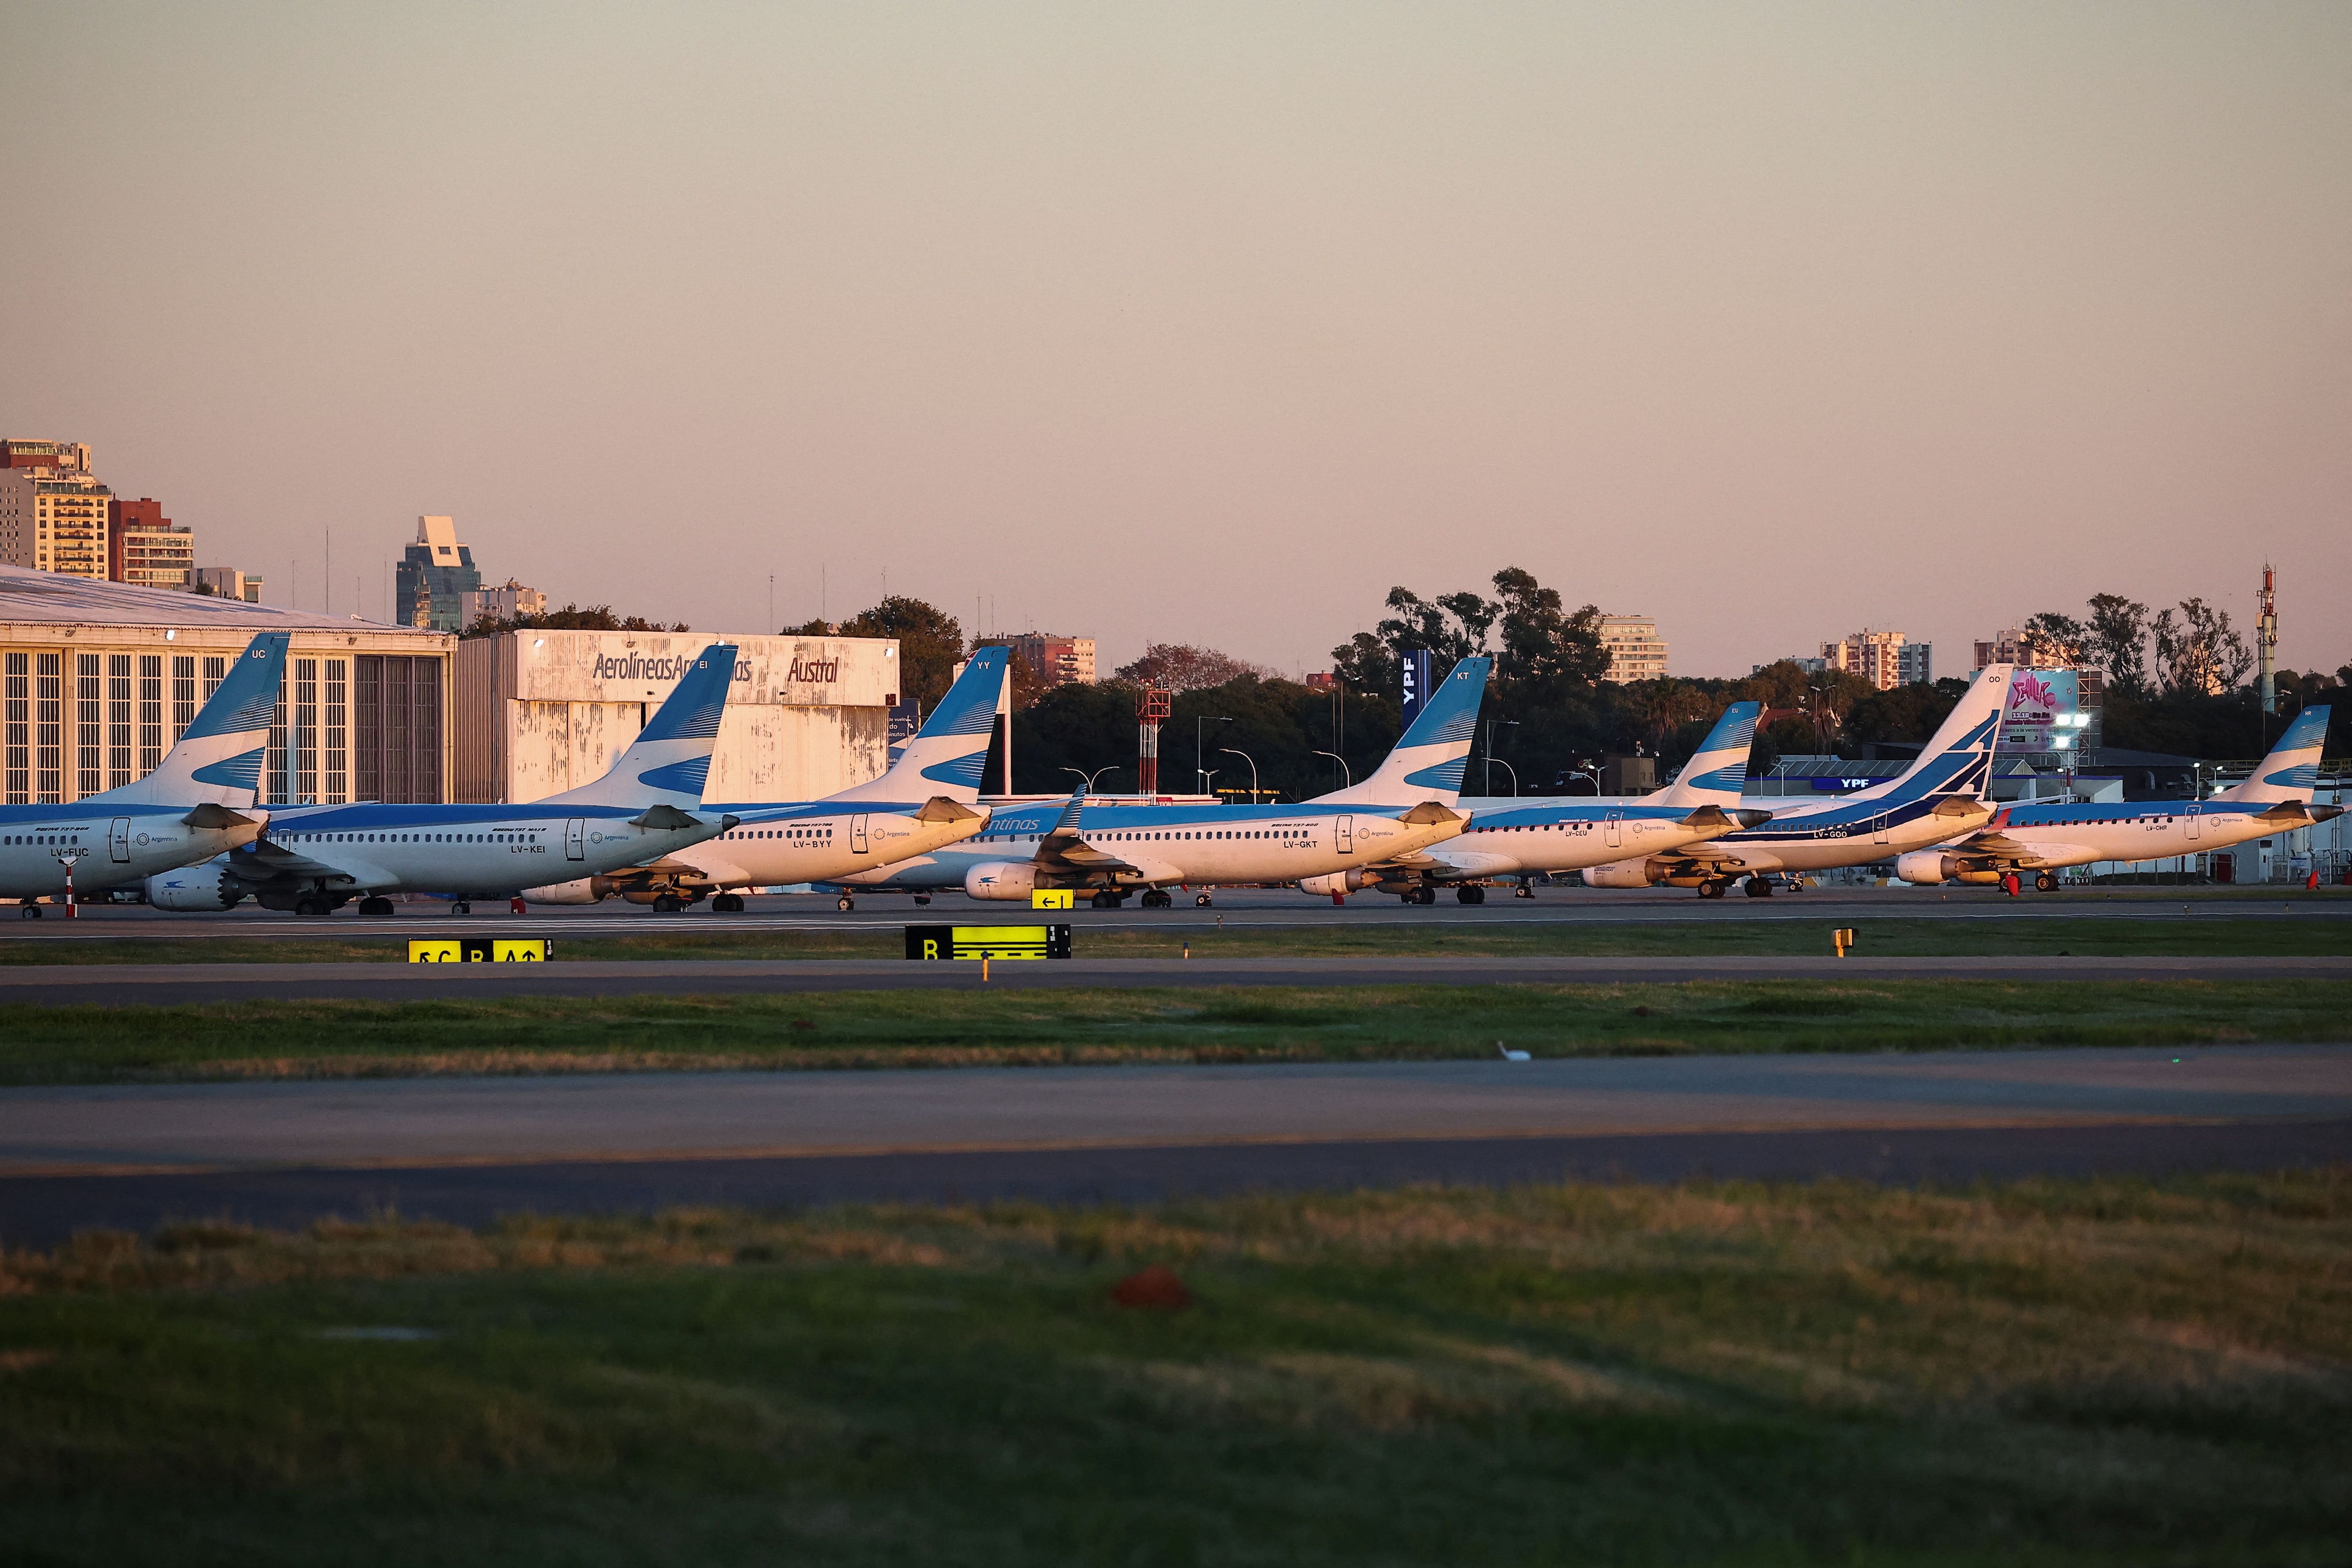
x,y
1927,868
1337,882
580,890
1624,873
194,887
1000,880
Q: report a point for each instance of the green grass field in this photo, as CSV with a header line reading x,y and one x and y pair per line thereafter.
x,y
2317,934
970,1026
2107,1372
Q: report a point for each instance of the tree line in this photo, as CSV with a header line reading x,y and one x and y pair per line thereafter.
x,y
2176,681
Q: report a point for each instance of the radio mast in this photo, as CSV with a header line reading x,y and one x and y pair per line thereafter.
x,y
2266,638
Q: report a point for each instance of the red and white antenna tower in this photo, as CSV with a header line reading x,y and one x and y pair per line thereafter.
x,y
1148,713
2266,638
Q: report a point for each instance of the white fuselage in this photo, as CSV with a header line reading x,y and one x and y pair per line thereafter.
x,y
774,845
108,845
1168,846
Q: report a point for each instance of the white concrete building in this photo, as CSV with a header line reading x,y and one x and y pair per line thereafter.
x,y
540,711
508,601
1636,652
1876,656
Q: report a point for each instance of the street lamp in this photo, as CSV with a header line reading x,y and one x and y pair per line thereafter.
x,y
1509,769
1090,778
1508,724
1245,756
1200,753
1347,779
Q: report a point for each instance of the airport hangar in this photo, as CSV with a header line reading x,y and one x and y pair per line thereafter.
x,y
98,680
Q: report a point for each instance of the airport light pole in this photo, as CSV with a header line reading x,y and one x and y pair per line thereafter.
x,y
1512,771
1508,724
1200,753
1090,778
1245,756
1347,779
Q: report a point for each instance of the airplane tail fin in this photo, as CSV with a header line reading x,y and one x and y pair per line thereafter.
x,y
669,760
218,760
1428,762
947,754
2291,772
1717,771
1958,760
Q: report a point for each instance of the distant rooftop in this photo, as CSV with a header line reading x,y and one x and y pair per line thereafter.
x,y
51,597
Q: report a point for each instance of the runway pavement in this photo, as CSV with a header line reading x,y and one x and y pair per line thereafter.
x,y
1248,907
128,985
465,1149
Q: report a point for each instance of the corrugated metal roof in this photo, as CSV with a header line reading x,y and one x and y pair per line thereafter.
x,y
50,598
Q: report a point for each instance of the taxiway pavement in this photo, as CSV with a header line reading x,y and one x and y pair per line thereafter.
x,y
465,1149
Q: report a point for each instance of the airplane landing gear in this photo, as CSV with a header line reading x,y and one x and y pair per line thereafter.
x,y
456,907
1424,895
923,899
726,903
2045,881
1159,898
667,904
1526,890
1710,890
1470,894
376,908
1759,887
1105,899
1201,901
28,910
846,903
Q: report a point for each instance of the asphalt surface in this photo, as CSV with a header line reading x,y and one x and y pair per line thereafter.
x,y
1240,907
131,985
465,1149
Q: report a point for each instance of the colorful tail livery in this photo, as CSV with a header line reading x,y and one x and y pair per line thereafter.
x,y
1716,775
2291,772
1427,763
1958,760
218,758
669,760
948,753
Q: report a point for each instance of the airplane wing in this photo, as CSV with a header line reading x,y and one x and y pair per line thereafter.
x,y
1451,862
1064,848
2012,854
264,862
687,868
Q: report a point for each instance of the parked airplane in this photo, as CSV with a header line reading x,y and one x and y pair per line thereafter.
x,y
197,802
2041,838
1115,850
1936,798
926,801
314,859
1528,841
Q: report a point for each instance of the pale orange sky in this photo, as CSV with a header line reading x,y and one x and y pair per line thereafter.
x,y
1211,323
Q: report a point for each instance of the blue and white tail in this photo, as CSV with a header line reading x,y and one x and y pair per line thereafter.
x,y
218,758
1958,758
668,762
947,754
1717,771
2291,772
1427,763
